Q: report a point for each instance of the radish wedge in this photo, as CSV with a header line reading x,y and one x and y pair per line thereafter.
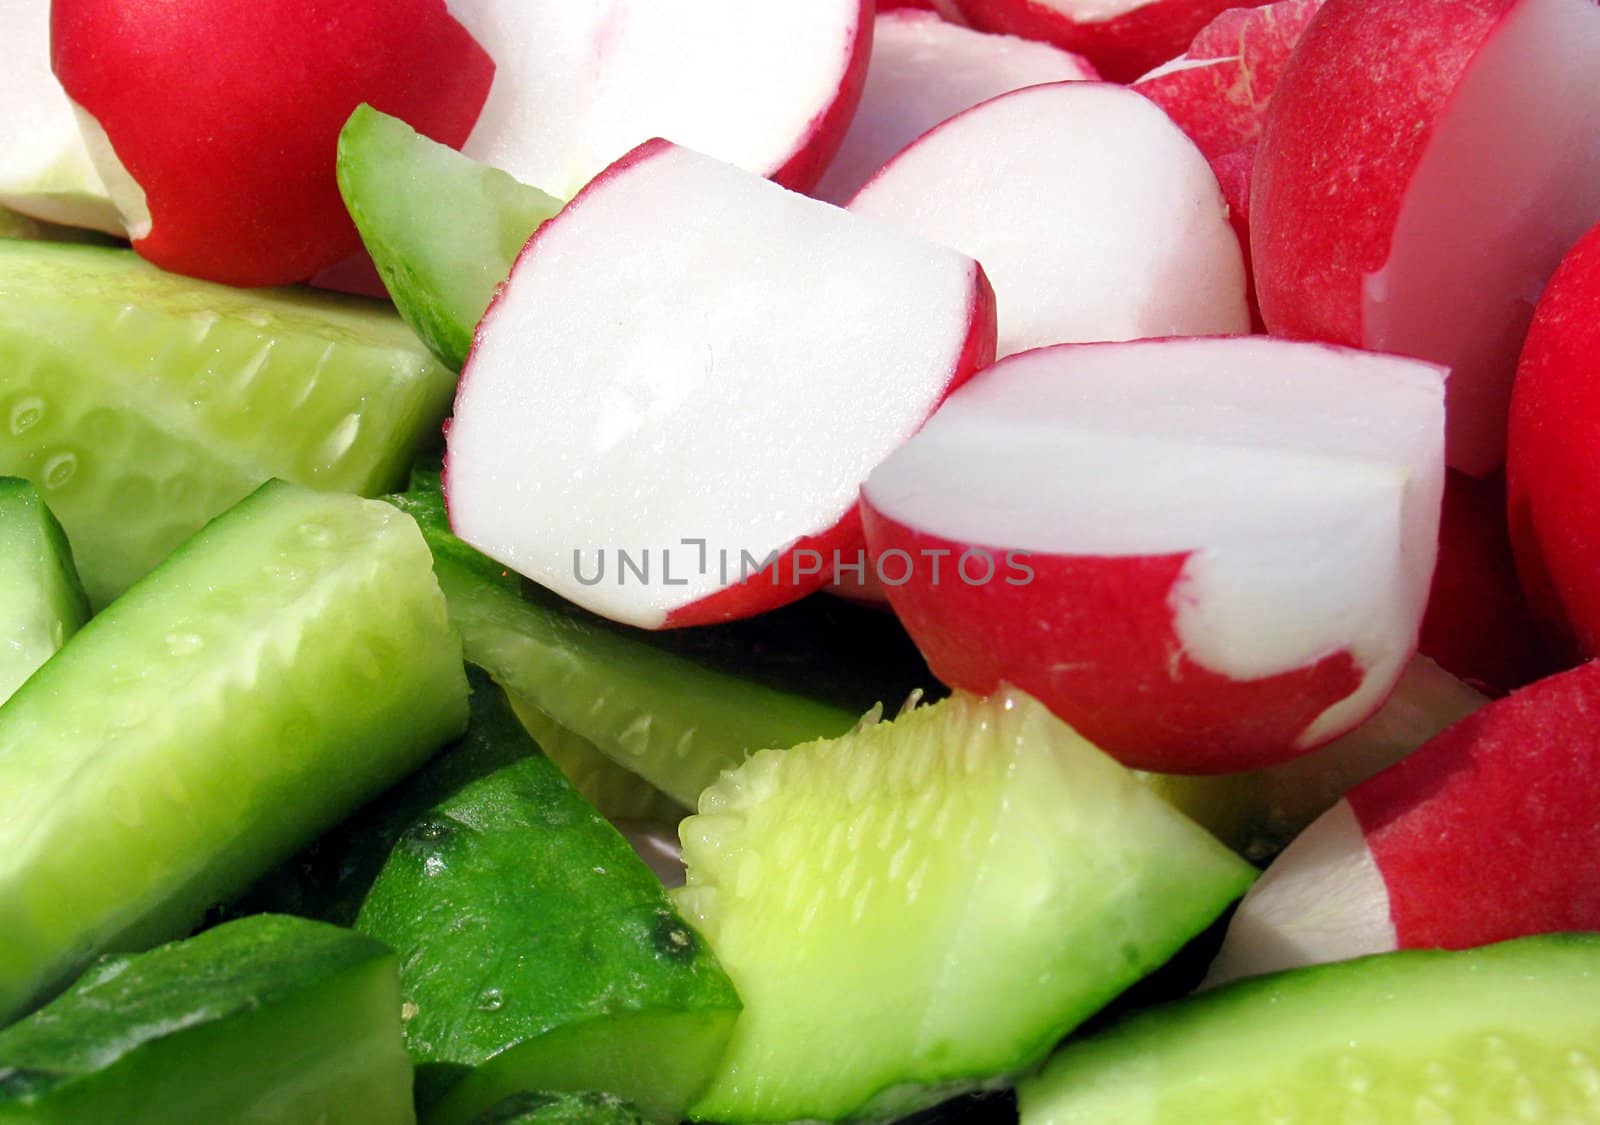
x,y
1093,215
718,431
1230,540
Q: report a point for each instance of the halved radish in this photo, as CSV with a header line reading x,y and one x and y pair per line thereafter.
x,y
678,436
1124,38
1486,833
1218,90
1094,216
45,169
1206,555
214,122
1422,169
924,70
769,86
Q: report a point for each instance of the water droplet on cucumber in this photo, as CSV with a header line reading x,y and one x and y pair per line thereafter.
x,y
26,413
59,470
491,1000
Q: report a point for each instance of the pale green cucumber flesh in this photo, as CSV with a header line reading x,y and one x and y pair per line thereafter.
x,y
616,793
678,707
442,229
143,404
526,1108
928,905
1508,1032
525,921
285,665
42,603
265,1019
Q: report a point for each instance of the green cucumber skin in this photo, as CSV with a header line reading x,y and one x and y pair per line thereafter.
x,y
1324,1043
519,912
560,1109
44,603
443,229
679,708
285,665
144,404
267,1019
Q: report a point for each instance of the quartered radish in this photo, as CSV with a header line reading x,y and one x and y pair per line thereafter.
x,y
929,904
45,168
1124,38
1093,215
772,351
924,70
43,603
264,1019
143,404
1471,125
767,86
1486,833
1207,555
443,230
214,125
289,662
1504,1033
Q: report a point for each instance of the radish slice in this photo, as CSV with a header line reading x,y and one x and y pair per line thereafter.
x,y
1094,216
712,397
767,86
923,71
1210,555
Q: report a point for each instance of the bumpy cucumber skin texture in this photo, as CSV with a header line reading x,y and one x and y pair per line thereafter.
x,y
267,1019
286,664
667,706
42,602
928,905
523,919
443,229
143,404
1508,1032
560,1109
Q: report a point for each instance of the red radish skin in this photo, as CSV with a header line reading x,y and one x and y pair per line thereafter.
x,y
1478,626
224,115
1553,467
1124,46
826,133
791,576
1218,90
976,637
1394,129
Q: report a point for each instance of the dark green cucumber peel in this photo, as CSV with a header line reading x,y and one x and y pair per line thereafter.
x,y
284,666
538,951
680,707
561,1109
42,602
1505,1032
144,404
265,1019
442,229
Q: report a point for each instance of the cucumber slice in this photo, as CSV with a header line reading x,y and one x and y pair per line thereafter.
x,y
538,952
616,793
143,404
675,708
561,1109
266,1019
1509,1032
442,229
928,905
44,603
283,666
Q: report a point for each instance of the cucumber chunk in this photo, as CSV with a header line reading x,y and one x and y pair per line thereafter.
x,y
286,664
538,952
43,602
616,793
442,229
1508,1032
267,1019
143,404
928,905
561,1109
676,708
